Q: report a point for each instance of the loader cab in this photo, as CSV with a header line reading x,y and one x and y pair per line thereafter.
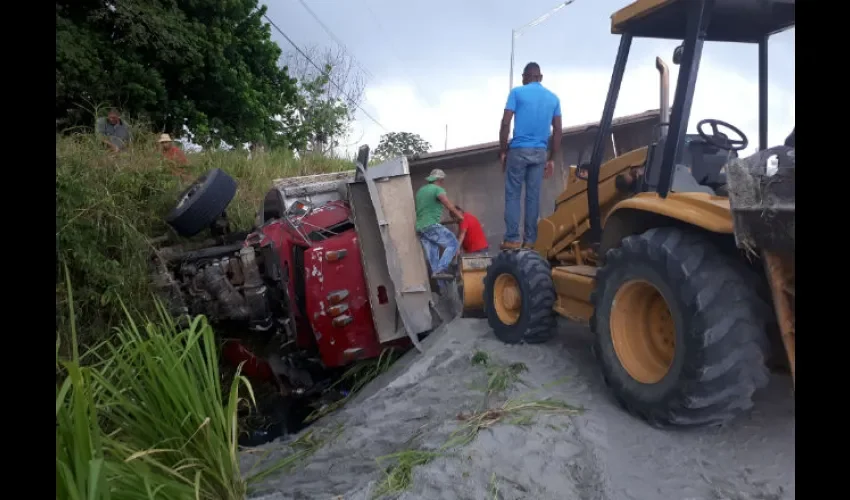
x,y
677,161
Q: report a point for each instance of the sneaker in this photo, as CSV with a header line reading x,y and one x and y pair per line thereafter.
x,y
442,276
510,245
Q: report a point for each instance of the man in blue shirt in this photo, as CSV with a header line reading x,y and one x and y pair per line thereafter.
x,y
536,110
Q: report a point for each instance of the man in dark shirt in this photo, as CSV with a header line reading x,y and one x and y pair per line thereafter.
x,y
113,131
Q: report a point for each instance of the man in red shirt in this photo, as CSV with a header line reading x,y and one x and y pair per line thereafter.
x,y
170,151
470,234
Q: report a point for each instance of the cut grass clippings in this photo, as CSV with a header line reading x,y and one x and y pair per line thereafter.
x,y
356,378
302,448
398,476
516,411
494,487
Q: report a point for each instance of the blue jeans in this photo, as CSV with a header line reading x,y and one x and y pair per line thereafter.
x,y
433,238
523,164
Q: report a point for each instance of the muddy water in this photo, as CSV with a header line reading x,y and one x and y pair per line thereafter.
x,y
603,454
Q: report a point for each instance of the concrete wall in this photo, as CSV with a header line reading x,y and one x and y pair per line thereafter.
x,y
474,178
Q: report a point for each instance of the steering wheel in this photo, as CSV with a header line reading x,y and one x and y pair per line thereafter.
x,y
719,139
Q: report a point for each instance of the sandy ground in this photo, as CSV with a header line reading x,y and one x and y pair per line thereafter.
x,y
602,454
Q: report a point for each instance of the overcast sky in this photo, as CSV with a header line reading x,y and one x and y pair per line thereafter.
x,y
446,62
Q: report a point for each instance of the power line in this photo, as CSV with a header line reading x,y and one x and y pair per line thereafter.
x,y
334,37
324,72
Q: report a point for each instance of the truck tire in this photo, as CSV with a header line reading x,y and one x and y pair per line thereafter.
x,y
519,296
202,202
274,206
680,329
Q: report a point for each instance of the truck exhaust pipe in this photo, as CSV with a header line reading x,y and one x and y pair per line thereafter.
x,y
664,77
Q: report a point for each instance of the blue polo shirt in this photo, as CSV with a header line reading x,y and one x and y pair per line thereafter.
x,y
534,107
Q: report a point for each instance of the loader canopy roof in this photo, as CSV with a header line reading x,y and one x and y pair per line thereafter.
x,y
731,20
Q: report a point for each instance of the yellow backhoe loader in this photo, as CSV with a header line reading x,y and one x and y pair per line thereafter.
x,y
680,254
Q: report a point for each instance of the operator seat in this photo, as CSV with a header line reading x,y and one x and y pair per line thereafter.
x,y
683,179
706,161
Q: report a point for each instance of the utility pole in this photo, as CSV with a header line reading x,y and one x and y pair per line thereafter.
x,y
517,32
446,143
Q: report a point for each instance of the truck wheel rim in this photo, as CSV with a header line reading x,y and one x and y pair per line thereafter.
x,y
507,299
643,331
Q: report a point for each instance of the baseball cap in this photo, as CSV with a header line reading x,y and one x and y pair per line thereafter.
x,y
435,175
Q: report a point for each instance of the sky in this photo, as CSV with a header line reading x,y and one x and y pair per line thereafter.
x,y
440,68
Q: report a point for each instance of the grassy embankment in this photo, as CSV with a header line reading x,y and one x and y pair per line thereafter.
x,y
139,407
110,206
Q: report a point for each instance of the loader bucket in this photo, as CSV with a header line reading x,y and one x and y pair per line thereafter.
x,y
473,268
762,199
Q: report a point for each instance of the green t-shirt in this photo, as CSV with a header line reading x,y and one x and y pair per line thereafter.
x,y
429,210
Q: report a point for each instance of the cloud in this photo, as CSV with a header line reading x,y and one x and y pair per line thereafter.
x,y
472,111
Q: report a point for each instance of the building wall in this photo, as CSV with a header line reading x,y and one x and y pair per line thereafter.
x,y
475,180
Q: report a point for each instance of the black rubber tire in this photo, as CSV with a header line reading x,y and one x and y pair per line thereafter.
x,y
274,206
537,321
211,193
721,341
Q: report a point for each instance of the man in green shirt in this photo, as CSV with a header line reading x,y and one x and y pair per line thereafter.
x,y
430,201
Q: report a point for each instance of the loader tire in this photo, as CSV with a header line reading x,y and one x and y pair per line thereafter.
x,y
711,360
518,297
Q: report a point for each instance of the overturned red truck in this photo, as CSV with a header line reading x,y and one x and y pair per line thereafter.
x,y
332,273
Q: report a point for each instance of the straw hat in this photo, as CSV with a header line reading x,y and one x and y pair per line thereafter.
x,y
164,138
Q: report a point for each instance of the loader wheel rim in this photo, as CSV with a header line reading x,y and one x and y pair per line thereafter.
x,y
643,331
507,299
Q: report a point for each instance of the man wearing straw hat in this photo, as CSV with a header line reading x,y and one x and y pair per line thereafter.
x,y
430,201
170,151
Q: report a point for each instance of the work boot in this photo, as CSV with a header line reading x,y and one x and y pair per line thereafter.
x,y
510,245
528,246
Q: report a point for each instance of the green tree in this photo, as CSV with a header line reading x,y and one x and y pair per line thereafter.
x,y
208,64
395,144
327,97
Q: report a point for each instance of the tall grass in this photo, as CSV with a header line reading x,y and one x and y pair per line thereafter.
x,y
144,417
109,207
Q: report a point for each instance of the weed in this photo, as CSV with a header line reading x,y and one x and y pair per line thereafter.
x,y
302,448
517,411
481,358
494,487
144,418
502,378
356,377
399,475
